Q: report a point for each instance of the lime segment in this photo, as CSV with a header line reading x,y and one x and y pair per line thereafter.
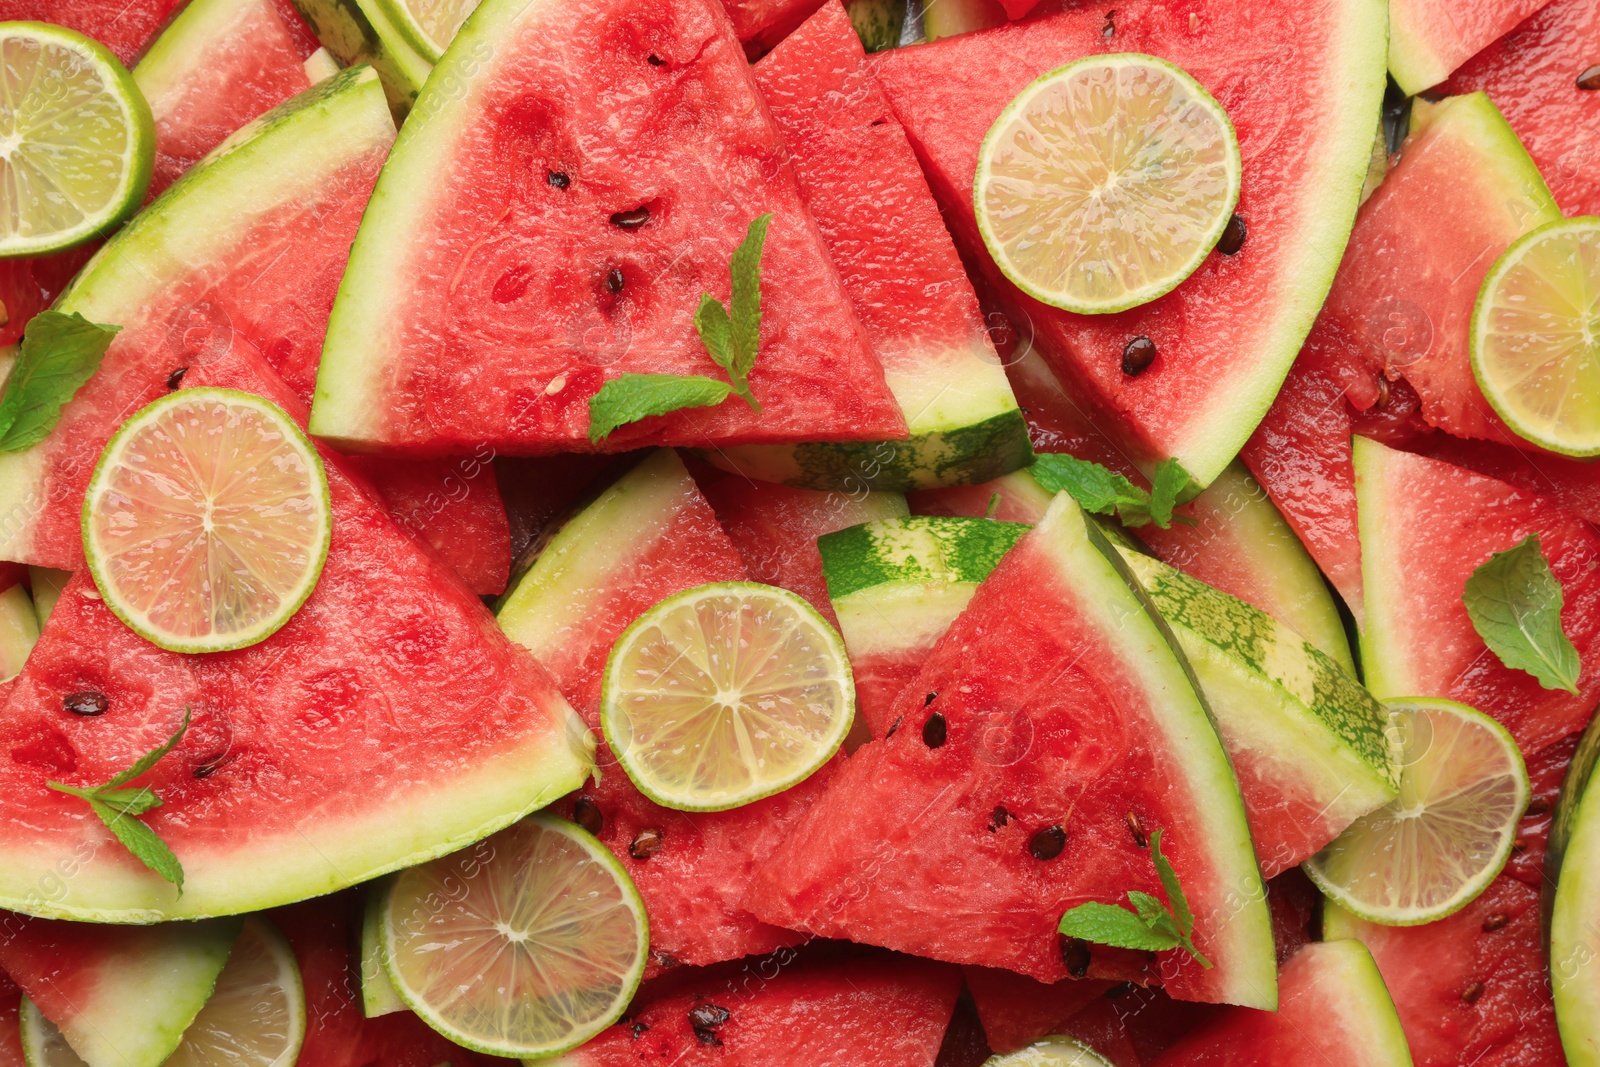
x,y
1106,182
1436,846
207,520
725,694
77,142
526,944
429,25
1057,1050
1536,336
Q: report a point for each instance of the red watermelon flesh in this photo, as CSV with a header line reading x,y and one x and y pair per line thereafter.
x,y
1532,75
964,1042
1017,1010
1471,988
11,1029
480,303
312,738
454,505
1227,335
856,1013
1419,639
124,26
927,847
761,24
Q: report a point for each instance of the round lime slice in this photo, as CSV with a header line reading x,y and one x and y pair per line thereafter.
x,y
256,1016
1057,1050
1106,182
77,142
1436,846
1536,336
725,694
526,944
207,521
428,25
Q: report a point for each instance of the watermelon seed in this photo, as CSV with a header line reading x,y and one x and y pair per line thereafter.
x,y
1075,955
1472,992
1109,30
85,702
1116,992
934,731
665,960
558,179
929,699
707,1019
655,60
1233,236
1537,806
1000,817
647,844
892,728
631,220
175,379
209,767
1383,394
586,813
638,1028
614,280
1495,922
1590,79
1137,831
1519,845
1047,843
1137,356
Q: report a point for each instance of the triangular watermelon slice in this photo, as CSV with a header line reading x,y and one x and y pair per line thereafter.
x,y
1302,84
1419,640
314,758
648,536
1050,730
122,996
1430,38
243,254
545,225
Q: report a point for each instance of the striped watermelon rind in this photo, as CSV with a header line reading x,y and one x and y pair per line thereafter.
x,y
360,31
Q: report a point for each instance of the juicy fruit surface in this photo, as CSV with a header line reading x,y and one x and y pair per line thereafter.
x,y
205,271
497,208
1419,638
123,28
1224,357
335,710
454,505
1428,39
944,817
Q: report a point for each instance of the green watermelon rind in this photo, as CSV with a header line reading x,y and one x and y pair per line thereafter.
x,y
359,32
19,630
1571,913
1381,665
917,549
184,44
46,585
378,995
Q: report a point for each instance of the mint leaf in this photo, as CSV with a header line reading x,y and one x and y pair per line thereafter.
x,y
1107,924
744,270
59,353
1514,602
1169,481
151,758
1153,913
632,397
1169,882
716,332
1096,489
142,841
135,801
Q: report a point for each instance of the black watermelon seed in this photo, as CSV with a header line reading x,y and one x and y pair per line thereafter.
x,y
1383,393
1472,992
85,702
1047,843
665,960
1137,356
1121,989
647,844
707,1019
999,817
892,728
934,731
614,280
1075,955
638,1028
175,379
558,179
929,699
1109,30
210,766
631,220
1233,236
586,813
655,60
1537,806
1137,830
1495,922
1590,79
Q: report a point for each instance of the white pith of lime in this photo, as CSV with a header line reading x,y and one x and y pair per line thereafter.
x,y
77,141
526,944
1106,182
724,694
1536,336
1435,847
1056,1050
207,520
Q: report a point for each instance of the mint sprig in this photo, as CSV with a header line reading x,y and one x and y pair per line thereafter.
x,y
1102,491
119,808
1514,602
1152,926
58,354
731,334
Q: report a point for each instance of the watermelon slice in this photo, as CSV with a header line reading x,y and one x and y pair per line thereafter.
x,y
1226,337
1418,639
1332,1008
531,239
1472,988
360,31
1430,38
646,537
121,996
1017,1010
883,1012
1572,862
1532,75
454,505
241,255
926,841
861,181
334,715
761,24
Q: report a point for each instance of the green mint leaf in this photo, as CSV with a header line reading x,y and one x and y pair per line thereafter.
x,y
71,790
1096,489
1169,481
149,759
142,841
1514,602
631,397
1153,913
1169,882
716,332
59,353
1107,924
744,270
134,801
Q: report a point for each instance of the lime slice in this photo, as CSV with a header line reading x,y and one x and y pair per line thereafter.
x,y
76,140
725,694
1106,182
429,25
526,944
1437,845
207,520
1536,336
1057,1050
256,1016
